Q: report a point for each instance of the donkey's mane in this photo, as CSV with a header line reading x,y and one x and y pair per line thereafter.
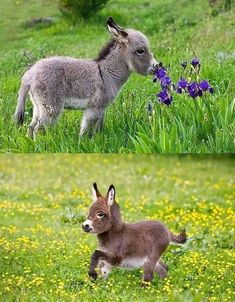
x,y
106,50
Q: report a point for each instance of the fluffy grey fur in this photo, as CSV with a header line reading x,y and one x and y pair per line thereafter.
x,y
90,85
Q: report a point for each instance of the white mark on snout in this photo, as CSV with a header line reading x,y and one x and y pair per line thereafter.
x,y
153,65
87,222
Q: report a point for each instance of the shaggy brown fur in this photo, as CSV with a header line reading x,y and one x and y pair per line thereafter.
x,y
126,245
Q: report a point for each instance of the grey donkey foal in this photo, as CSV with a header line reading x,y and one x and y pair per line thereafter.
x,y
90,85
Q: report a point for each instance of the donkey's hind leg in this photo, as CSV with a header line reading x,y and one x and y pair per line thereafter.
x,y
47,115
34,118
161,269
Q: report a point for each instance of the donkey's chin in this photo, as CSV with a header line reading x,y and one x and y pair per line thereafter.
x,y
92,231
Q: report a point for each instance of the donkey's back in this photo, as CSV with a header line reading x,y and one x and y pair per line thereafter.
x,y
55,79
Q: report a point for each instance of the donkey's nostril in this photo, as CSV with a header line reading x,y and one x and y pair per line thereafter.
x,y
86,227
156,65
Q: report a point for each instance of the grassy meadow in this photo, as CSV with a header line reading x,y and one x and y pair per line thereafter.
x,y
45,254
177,31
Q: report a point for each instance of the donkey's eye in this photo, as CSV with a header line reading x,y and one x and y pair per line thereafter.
x,y
140,51
100,215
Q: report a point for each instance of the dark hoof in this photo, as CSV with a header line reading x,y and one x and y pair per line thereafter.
x,y
93,275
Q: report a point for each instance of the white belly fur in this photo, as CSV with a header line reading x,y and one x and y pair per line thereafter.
x,y
133,262
128,263
74,103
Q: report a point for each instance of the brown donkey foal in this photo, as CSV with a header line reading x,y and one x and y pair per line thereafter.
x,y
126,245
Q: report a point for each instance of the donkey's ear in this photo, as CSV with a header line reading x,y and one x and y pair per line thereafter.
x,y
95,192
115,29
111,196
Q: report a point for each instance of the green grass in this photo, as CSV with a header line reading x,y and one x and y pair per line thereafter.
x,y
45,254
176,29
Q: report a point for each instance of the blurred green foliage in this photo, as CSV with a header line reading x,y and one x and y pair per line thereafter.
x,y
76,9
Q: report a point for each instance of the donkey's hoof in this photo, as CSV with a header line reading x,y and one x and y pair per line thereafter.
x,y
93,275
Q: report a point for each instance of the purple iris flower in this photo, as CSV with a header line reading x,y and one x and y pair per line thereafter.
x,y
184,64
193,90
165,82
160,73
211,89
200,92
182,83
204,85
164,97
195,62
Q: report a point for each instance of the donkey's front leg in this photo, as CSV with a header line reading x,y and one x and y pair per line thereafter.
x,y
99,255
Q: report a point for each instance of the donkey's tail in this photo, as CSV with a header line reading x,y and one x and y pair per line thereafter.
x,y
23,91
181,238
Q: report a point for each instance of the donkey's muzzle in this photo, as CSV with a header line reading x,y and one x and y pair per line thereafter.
x,y
157,65
86,228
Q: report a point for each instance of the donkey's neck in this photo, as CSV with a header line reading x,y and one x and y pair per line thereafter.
x,y
117,226
114,71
